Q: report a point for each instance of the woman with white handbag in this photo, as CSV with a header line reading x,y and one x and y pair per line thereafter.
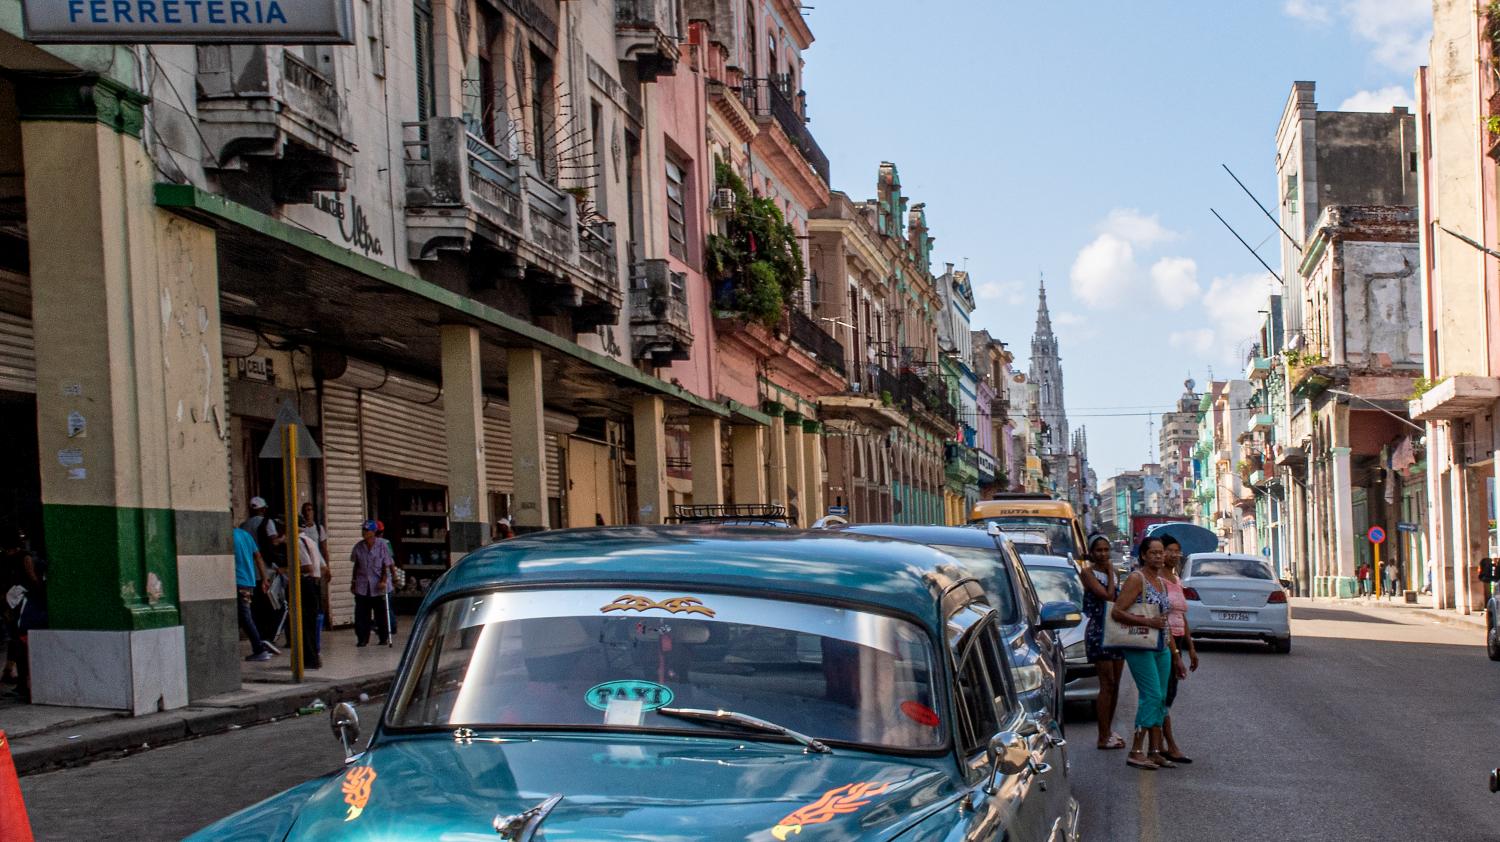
x,y
1135,627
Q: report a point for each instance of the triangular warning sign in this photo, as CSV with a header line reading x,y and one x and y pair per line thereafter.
x,y
306,447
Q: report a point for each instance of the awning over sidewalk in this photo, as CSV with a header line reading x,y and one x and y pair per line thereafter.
x,y
288,281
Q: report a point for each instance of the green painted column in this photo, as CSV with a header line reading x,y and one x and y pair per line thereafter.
x,y
130,414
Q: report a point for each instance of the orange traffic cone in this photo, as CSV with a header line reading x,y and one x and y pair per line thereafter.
x,y
14,826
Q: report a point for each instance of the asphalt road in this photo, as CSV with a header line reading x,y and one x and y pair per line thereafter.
x,y
1375,727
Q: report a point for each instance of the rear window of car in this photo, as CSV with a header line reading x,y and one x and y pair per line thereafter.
x,y
1242,567
989,567
1055,584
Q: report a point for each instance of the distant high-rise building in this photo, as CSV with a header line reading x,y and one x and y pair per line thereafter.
x,y
1179,435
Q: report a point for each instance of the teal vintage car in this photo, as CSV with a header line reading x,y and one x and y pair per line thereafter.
x,y
687,683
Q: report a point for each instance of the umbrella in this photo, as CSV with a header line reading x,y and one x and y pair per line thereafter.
x,y
1194,539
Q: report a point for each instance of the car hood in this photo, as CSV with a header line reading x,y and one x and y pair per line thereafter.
x,y
646,788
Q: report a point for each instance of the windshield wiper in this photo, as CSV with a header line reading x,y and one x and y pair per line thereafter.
x,y
729,717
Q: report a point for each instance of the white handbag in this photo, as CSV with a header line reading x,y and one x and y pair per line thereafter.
x,y
1117,635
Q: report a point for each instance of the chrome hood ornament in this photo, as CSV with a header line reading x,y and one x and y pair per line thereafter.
x,y
523,826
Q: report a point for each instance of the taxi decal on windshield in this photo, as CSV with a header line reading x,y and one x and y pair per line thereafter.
x,y
356,788
849,798
675,605
650,694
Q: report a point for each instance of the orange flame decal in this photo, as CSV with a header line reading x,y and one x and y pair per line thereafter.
x,y
356,788
846,799
675,605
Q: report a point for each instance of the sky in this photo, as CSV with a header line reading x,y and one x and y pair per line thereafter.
x,y
1082,140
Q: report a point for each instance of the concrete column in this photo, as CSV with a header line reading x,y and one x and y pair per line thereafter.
x,y
528,438
747,443
1439,513
463,410
1343,524
812,441
776,473
796,469
130,412
707,460
650,417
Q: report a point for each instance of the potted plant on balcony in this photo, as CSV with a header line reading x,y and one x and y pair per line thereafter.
x,y
756,265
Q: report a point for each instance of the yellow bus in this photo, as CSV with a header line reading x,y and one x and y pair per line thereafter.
x,y
1035,513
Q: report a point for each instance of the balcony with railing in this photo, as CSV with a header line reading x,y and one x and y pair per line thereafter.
x,y
647,32
772,100
816,341
268,110
464,194
659,322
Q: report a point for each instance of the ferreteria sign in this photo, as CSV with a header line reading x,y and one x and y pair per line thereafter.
x,y
191,21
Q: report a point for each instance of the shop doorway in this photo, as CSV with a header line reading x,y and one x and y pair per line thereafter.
x,y
21,483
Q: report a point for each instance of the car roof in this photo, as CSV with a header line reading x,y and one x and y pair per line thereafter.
x,y
1037,560
940,536
1239,556
824,564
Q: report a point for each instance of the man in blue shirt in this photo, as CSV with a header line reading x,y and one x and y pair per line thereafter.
x,y
250,574
373,566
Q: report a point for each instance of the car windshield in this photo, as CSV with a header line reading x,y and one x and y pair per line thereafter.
x,y
597,659
1054,584
1059,531
1243,567
988,566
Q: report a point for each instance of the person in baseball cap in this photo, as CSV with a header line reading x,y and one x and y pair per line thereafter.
x,y
374,569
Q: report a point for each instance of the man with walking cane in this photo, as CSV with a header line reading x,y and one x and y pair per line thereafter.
x,y
373,575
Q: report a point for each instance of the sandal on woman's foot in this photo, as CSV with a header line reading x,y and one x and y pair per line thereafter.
x,y
1177,758
1139,760
1161,761
1114,742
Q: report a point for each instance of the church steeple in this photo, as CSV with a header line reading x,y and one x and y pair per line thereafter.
x,y
1043,317
1046,373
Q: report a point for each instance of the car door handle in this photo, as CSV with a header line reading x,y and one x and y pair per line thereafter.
x,y
1038,767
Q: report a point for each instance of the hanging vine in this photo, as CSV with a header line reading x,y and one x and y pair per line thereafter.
x,y
757,265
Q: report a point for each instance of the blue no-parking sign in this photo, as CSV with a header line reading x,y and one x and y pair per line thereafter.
x,y
1377,535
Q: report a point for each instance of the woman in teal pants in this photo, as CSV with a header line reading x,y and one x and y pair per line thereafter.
x,y
1150,669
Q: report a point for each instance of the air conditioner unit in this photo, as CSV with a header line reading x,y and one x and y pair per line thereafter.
x,y
724,199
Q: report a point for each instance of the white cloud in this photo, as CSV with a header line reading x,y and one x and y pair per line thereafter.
x,y
1382,100
1310,10
1232,303
1200,341
1104,271
1176,281
1397,30
1136,228
1011,293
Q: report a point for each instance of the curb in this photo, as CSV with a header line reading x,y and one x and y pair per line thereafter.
x,y
77,744
1443,616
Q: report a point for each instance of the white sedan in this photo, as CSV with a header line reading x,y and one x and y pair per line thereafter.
x,y
1236,596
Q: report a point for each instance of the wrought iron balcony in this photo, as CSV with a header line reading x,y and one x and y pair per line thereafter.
x,y
265,110
811,336
647,32
659,321
464,194
771,99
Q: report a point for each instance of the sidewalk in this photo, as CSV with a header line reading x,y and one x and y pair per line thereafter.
x,y
46,736
1420,611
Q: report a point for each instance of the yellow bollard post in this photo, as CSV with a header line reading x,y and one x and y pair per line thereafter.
x,y
294,545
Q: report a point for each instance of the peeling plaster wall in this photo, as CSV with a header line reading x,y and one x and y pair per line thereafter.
x,y
1382,304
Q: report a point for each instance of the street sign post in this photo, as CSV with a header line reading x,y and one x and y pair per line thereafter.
x,y
288,439
1377,537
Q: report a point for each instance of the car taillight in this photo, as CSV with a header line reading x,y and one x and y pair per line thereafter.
x,y
1190,593
1276,598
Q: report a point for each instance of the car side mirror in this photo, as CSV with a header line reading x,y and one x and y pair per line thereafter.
x,y
1008,755
993,530
345,724
1058,615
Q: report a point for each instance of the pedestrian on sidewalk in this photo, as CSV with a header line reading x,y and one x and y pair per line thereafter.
x,y
1362,576
373,566
1099,591
1390,579
1184,652
1149,668
23,605
250,575
313,528
314,572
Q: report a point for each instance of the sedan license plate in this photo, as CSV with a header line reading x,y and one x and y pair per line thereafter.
x,y
1242,616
